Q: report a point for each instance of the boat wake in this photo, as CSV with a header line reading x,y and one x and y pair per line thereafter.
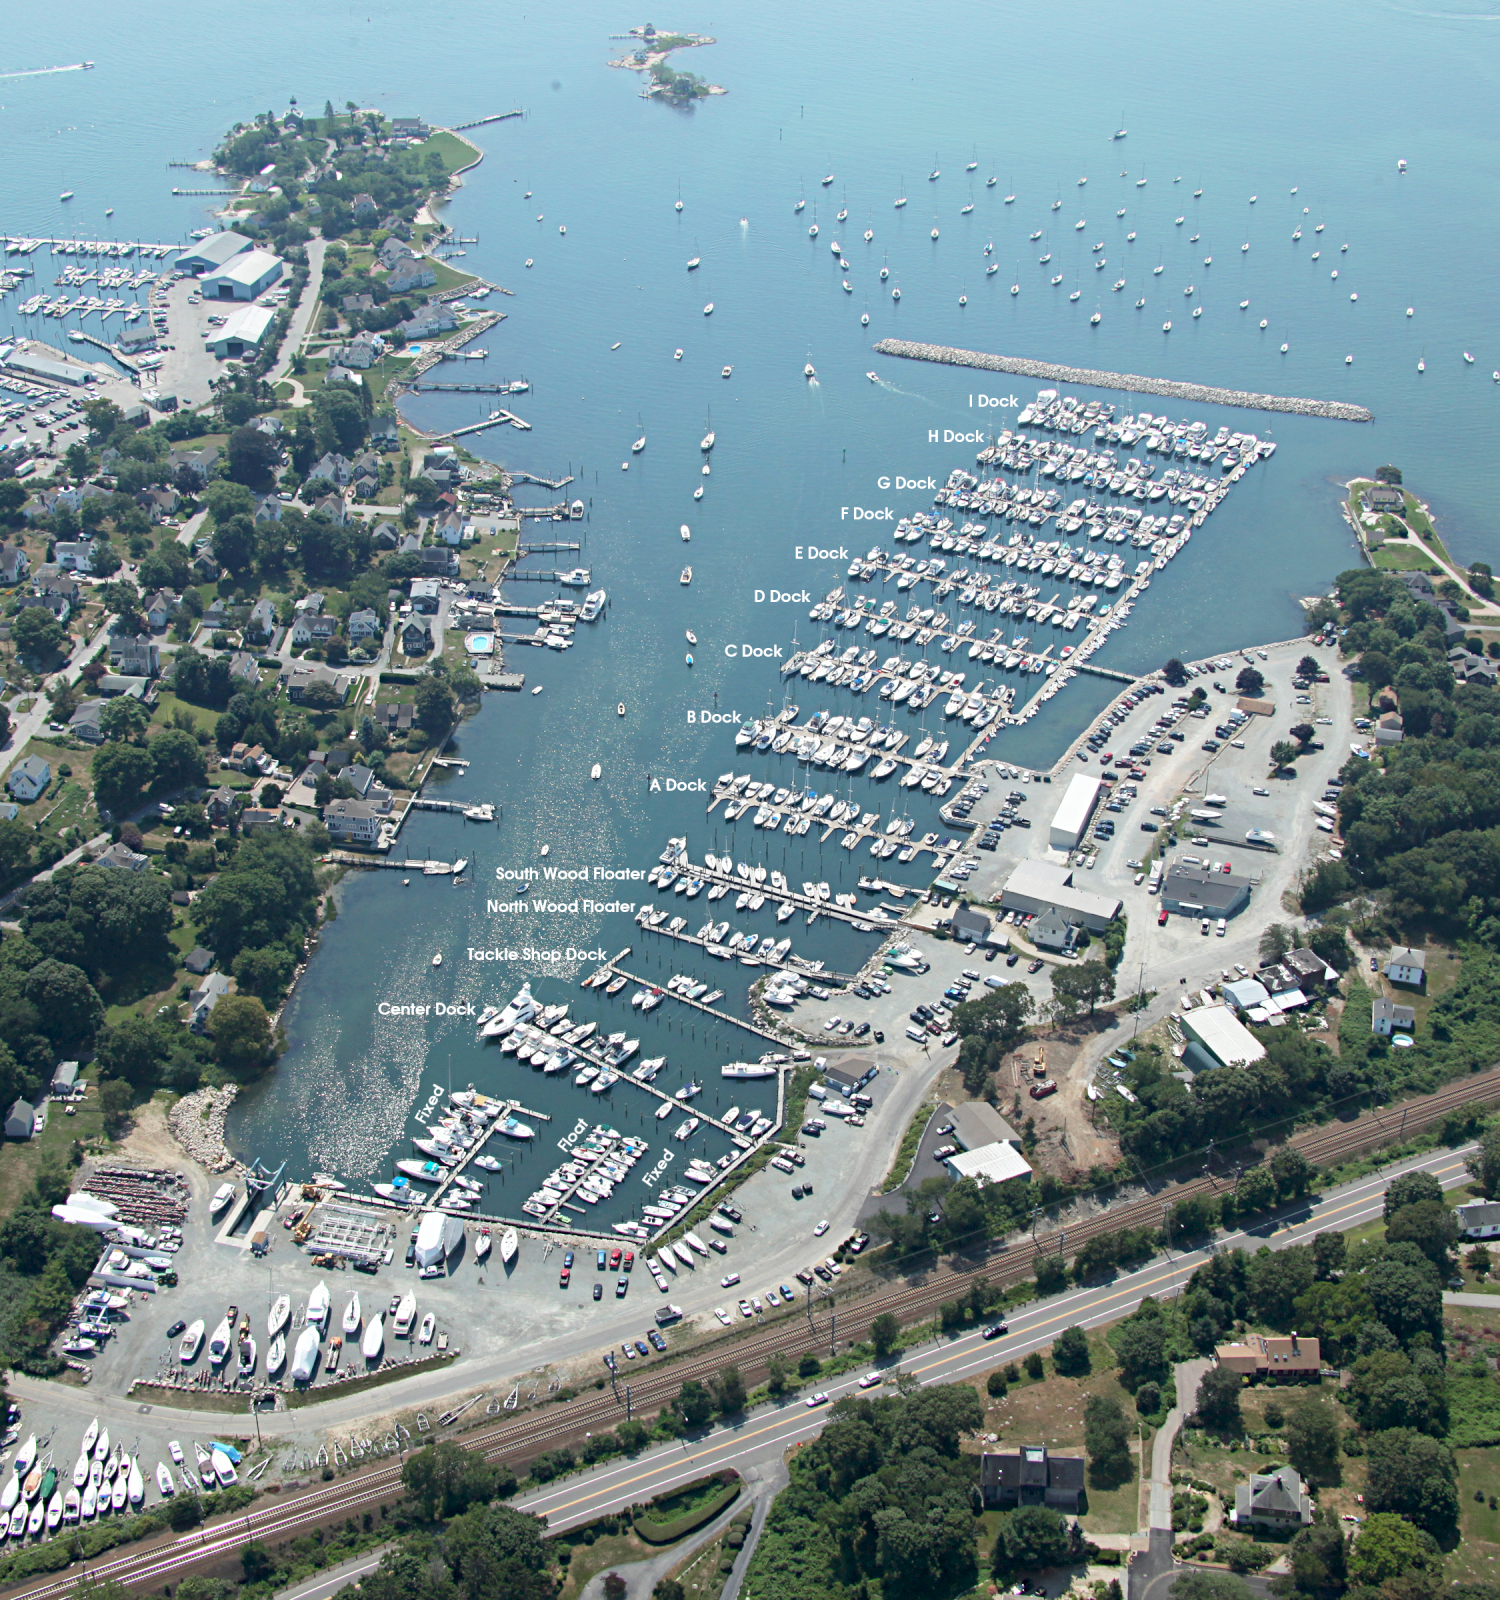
x,y
44,72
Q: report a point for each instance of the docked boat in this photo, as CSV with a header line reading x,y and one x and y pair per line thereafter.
x,y
482,1244
222,1196
748,1069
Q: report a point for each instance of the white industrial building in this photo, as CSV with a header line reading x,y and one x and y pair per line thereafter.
x,y
243,277
209,254
243,332
1222,1035
1036,886
990,1163
1071,819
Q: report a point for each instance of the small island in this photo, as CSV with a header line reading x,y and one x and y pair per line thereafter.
x,y
650,56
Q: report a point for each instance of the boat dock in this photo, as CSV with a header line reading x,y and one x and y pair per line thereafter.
x,y
1107,672
865,921
551,547
500,420
428,869
18,244
470,813
510,1109
708,1011
550,575
790,963
484,122
1338,410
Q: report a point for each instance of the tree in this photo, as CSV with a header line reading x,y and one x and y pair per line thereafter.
x,y
68,1009
234,542
1388,475
1277,939
253,458
668,1589
1218,1400
1141,1344
1312,1440
1251,681
15,848
885,1334
1303,733
999,1018
1210,1586
444,1479
1413,1476
1388,1546
37,633
121,773
124,718
115,1101
1106,1438
1292,1171
1084,985
615,1587
257,1561
240,1031
1275,1279
1329,1251
1484,1165
177,760
1308,667
434,707
695,1403
1409,1189
1175,673
499,1551
729,1392
1429,1225
1070,1353
1031,1537
131,1049
1331,947
1283,754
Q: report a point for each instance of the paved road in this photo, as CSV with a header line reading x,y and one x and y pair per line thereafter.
x,y
27,727
302,317
765,1434
1187,1376
332,1579
1485,1302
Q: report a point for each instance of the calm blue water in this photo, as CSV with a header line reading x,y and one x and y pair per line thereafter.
x,y
1246,104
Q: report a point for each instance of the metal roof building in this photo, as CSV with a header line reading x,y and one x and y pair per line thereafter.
x,y
990,1163
242,332
1072,816
212,253
243,277
1222,1035
1035,885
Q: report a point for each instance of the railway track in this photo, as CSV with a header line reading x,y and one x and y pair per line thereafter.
x,y
520,1441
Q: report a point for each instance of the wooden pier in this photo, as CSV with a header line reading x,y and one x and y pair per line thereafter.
x,y
511,1108
504,419
428,869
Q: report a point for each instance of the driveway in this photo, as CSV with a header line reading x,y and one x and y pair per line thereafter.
x,y
31,723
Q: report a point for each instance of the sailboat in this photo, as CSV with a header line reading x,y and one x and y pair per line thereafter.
x,y
279,1316
510,1244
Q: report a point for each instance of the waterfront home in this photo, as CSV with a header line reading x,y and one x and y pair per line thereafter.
x,y
1407,966
366,787
385,432
345,375
416,637
449,527
1382,499
441,466
84,723
426,595
29,778
361,352
364,624
134,655
205,997
393,716
428,321
392,252
408,275
409,128
122,858
354,822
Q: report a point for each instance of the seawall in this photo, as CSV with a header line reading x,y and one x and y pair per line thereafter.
x,y
948,355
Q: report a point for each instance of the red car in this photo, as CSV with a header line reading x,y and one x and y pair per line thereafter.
x,y
629,1259
564,1277
614,1259
1161,918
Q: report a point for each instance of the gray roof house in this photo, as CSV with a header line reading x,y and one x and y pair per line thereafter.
x,y
1272,1500
84,723
1031,1477
410,274
365,625
206,996
1479,1219
1386,1017
123,858
1052,931
1407,966
29,778
198,960
416,637
135,655
64,1077
20,1120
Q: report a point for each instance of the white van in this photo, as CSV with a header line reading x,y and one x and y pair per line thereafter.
x,y
1219,929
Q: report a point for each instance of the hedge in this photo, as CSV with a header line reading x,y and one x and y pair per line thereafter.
x,y
654,1532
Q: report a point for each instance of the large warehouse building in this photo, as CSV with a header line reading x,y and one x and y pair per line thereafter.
x,y
1224,1039
209,254
1072,816
1036,886
1198,892
243,277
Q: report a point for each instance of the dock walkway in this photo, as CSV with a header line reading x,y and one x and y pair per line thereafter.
x,y
512,1108
708,1011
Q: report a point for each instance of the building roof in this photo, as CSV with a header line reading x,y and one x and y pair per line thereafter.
x,y
1256,708
1275,1494
1216,892
1073,813
1478,1214
1267,1353
248,268
1030,1467
990,1163
248,325
1246,993
1223,1035
1402,956
977,1123
214,251
1044,880
971,921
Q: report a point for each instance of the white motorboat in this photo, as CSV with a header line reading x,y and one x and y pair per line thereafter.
x,y
192,1342
164,1484
219,1343
247,1357
374,1339
222,1196
223,1467
319,1303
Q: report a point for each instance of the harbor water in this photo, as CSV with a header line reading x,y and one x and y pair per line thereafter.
x,y
804,468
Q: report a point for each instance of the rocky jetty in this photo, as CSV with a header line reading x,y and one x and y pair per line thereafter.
x,y
197,1124
1339,410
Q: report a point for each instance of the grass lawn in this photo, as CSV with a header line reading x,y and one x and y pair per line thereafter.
x,y
1475,1557
456,152
19,1161
1403,555
612,1550
1443,967
169,703
449,277
700,1576
1049,1411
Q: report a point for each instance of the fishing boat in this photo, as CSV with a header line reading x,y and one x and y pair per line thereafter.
x,y
165,1487
279,1316
223,1467
429,1323
319,1303
686,576
219,1342
247,1357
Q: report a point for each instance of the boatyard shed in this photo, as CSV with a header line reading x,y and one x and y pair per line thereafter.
x,y
244,277
1071,819
969,923
212,253
244,331
989,1163
1222,1036
1036,885
1198,892
976,1123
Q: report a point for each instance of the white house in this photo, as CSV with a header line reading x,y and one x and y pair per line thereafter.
x,y
29,778
352,821
74,555
1479,1219
1386,1017
1407,966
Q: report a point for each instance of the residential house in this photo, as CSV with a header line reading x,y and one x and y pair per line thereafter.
x,y
1382,498
394,717
392,252
243,669
449,527
64,1079
366,212
409,128
439,559
262,619
341,374
364,478
113,685
411,274
365,624
1386,1017
1311,970
367,787
1389,729
49,580
74,555
158,503
29,778
1471,668
205,997
60,608
268,508
295,680
416,637
334,467
84,723
135,656
426,595
1031,1476
361,352
309,629
355,303
1052,930
333,507
255,819
1407,966
427,322
14,564
1479,1219
199,463
312,603
1282,1360
160,609
199,961
1272,1500
20,1120
123,858
352,822
221,805
441,466
217,615
385,432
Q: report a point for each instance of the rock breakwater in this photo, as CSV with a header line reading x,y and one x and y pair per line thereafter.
x,y
197,1124
1022,366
